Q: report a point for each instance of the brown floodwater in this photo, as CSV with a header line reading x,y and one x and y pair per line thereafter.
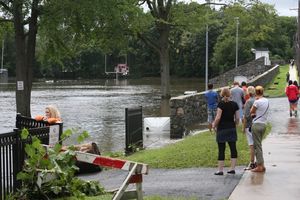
x,y
95,106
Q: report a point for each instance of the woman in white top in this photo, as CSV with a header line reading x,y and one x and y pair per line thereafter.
x,y
259,113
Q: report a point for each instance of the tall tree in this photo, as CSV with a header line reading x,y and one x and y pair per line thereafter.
x,y
24,15
160,11
164,21
76,26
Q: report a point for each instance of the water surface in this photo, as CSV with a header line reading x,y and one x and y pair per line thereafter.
x,y
95,106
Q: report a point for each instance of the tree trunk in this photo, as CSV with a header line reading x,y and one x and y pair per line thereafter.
x,y
164,59
25,56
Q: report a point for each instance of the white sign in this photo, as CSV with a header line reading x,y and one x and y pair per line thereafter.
x,y
20,85
53,134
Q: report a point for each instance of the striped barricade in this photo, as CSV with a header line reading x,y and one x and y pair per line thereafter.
x,y
135,175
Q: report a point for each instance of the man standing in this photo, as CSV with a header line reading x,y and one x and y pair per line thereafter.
x,y
237,95
212,98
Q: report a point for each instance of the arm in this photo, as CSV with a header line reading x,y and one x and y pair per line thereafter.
x,y
244,124
253,111
237,117
217,119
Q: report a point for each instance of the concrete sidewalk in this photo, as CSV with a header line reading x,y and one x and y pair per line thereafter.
x,y
282,177
282,158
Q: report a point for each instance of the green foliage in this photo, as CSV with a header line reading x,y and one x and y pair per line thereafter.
x,y
200,150
50,173
277,86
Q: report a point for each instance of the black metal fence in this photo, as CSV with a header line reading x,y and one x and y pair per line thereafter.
x,y
12,154
134,129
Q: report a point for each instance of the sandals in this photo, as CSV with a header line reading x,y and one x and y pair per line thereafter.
x,y
259,169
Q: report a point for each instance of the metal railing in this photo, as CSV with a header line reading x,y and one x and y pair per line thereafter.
x,y
12,153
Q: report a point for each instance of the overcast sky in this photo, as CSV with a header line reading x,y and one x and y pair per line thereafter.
x,y
282,6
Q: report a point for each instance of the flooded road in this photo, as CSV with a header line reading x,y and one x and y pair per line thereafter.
x,y
279,117
96,106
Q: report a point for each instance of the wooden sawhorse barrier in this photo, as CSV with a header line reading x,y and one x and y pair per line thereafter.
x,y
135,174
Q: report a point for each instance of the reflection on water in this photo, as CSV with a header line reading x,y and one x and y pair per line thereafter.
x,y
95,106
293,126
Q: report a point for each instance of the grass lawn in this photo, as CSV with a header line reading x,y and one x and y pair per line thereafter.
x,y
277,87
200,150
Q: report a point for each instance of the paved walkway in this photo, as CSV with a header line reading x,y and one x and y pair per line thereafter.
x,y
282,159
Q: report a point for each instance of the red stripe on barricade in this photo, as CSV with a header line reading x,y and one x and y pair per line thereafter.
x,y
109,162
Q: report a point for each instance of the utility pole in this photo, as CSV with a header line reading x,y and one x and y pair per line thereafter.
x,y
237,42
206,59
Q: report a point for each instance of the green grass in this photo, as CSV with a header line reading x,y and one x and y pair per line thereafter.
x,y
277,87
200,150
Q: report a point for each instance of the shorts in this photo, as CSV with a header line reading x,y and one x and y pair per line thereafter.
x,y
211,115
293,101
249,136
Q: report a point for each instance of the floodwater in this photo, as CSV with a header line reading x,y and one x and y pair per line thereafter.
x,y
95,106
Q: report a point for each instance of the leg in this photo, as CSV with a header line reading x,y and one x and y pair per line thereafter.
x,y
209,118
250,143
258,131
221,157
233,152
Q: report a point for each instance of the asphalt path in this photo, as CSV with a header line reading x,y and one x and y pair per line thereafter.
x,y
199,183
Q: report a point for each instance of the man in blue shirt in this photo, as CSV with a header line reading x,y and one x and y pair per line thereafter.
x,y
212,99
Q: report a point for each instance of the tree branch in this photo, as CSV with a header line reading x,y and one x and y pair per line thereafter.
x,y
168,6
149,42
5,6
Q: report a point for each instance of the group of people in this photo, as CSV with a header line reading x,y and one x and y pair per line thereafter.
x,y
245,104
292,92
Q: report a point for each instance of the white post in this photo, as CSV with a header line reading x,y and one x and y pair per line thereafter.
x,y
105,62
2,55
237,42
206,59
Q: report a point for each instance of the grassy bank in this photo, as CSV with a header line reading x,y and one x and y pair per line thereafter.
x,y
277,87
200,150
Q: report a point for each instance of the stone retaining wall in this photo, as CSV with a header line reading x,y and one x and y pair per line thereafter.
x,y
249,70
187,110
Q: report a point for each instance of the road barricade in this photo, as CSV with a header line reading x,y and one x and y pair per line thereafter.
x,y
134,176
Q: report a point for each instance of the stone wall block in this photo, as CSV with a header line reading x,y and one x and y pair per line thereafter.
x,y
190,109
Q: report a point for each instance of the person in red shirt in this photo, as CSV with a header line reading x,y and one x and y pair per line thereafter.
x,y
292,93
244,87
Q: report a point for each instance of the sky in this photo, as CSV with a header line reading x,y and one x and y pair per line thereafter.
x,y
282,6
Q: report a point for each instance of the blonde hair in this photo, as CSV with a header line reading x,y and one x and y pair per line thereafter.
x,y
54,113
225,93
251,90
259,90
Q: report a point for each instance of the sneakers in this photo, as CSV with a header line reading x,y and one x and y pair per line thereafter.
x,y
231,172
291,114
218,173
295,113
